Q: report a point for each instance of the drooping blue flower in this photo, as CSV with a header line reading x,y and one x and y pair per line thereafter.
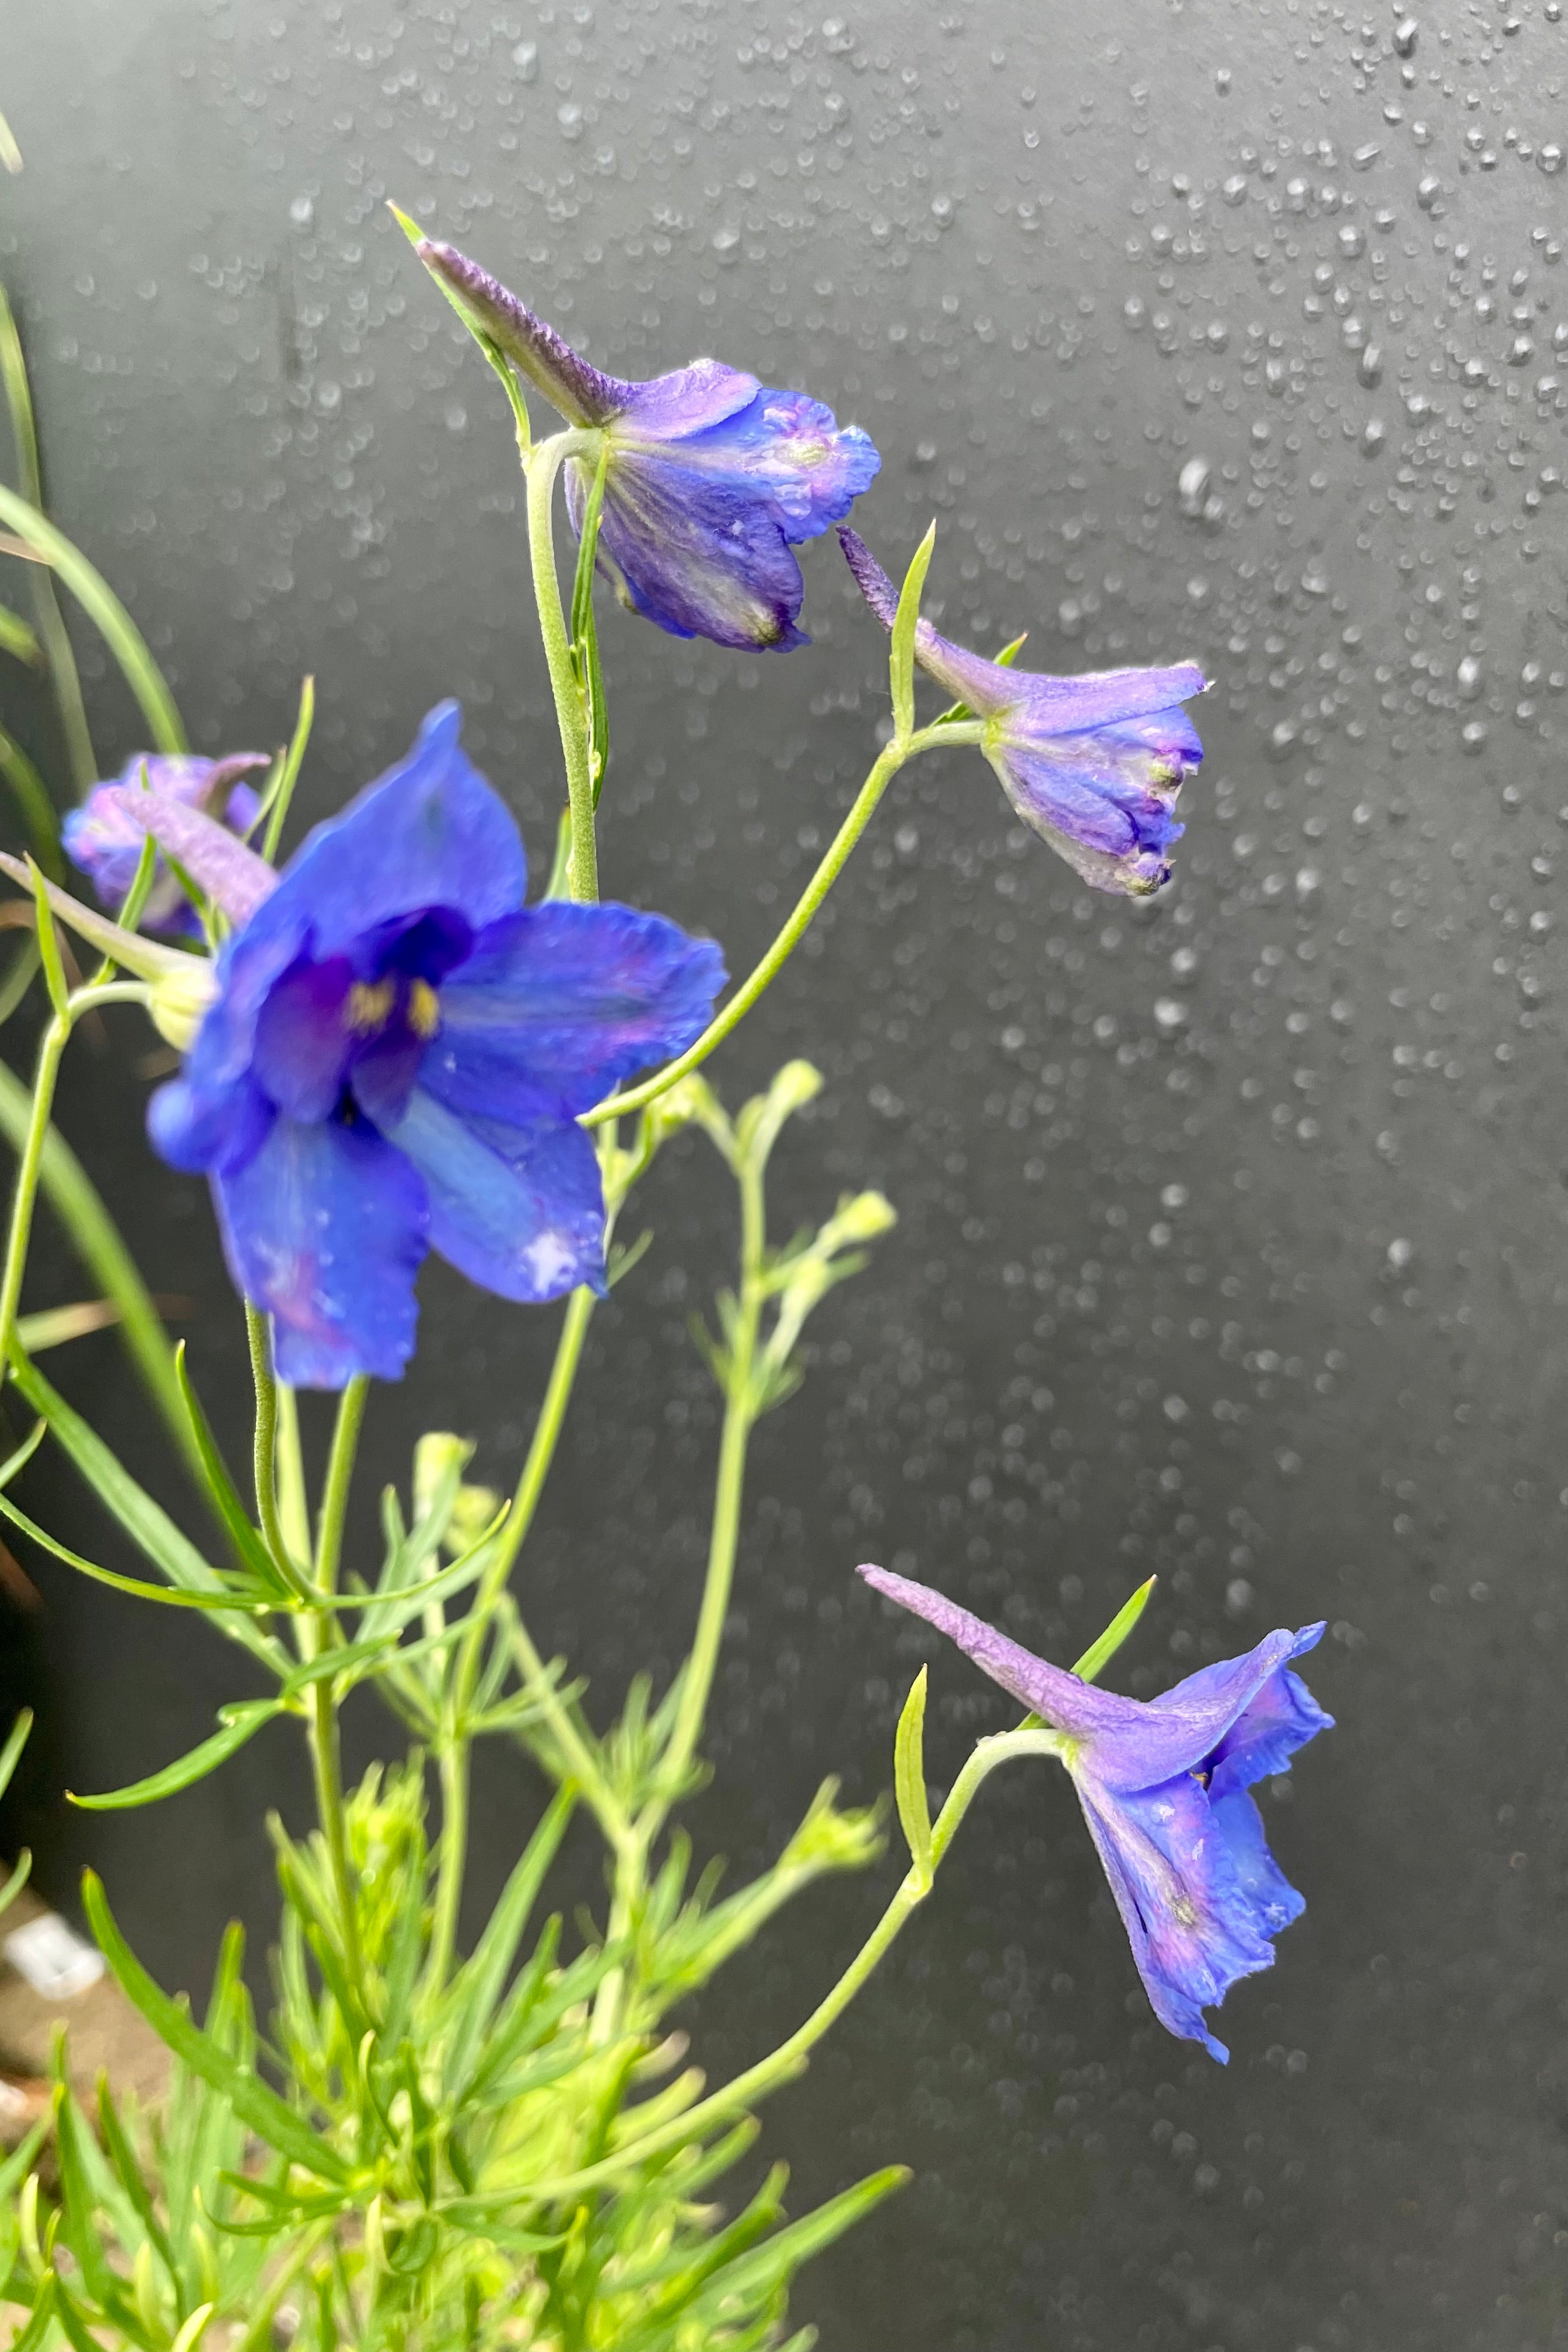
x,y
1163,1783
1093,764
395,1054
105,843
711,477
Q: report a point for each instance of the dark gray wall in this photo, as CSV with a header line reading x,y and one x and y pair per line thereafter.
x,y
1232,1228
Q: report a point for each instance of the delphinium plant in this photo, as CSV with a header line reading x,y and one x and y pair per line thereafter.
x,y
388,1048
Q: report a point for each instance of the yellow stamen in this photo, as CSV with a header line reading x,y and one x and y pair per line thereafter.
x,y
369,1007
423,1009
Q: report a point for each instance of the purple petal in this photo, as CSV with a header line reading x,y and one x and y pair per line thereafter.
x,y
519,1210
200,1129
303,1046
1266,1733
583,396
559,1001
325,1228
692,555
781,447
1079,796
429,834
688,400
869,577
234,877
1198,1894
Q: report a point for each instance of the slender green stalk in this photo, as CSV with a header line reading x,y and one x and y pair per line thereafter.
x,y
294,1509
75,1200
740,1417
316,1631
103,608
886,767
784,2063
34,805
541,464
454,1773
266,1446
55,636
29,1167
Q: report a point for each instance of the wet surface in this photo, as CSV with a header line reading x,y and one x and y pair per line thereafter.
x,y
1232,1237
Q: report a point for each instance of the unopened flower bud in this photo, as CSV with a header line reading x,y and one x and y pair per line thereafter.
x,y
177,1001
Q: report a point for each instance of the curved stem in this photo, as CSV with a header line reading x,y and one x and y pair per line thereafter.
x,y
541,464
864,808
783,2064
739,1415
316,1630
30,1166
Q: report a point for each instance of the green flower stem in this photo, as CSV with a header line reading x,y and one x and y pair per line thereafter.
x,y
265,1445
56,638
30,1169
77,1202
576,1754
740,1418
316,1631
886,767
541,464
789,2059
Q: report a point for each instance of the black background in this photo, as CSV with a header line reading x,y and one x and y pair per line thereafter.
x,y
1232,1228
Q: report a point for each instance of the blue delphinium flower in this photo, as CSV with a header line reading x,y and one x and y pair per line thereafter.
x,y
1093,764
1164,1785
105,843
394,1056
712,477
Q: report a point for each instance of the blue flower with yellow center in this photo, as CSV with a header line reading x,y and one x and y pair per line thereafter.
x,y
395,1056
1163,1787
711,477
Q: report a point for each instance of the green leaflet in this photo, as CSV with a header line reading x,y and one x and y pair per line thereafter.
x,y
270,2117
238,1723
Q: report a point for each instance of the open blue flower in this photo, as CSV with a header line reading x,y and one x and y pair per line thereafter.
x,y
1164,1785
1093,764
395,1056
106,843
712,477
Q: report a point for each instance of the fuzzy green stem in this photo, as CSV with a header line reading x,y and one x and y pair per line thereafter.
x,y
266,1444
888,763
541,464
787,2061
78,1205
316,1631
740,1417
51,1048
454,1773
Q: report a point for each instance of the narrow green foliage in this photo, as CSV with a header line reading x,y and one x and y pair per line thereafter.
x,y
53,636
909,1779
273,813
237,1724
18,640
109,615
50,945
1098,1654
901,652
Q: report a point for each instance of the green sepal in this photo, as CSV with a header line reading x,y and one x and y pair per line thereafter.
x,y
585,631
910,1780
270,2117
1098,1654
901,654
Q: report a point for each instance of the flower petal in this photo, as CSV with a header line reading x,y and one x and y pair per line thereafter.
x,y
1266,1733
429,834
783,447
1110,830
558,1002
1186,1728
696,556
325,1228
519,1209
688,400
1197,1890
200,1129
